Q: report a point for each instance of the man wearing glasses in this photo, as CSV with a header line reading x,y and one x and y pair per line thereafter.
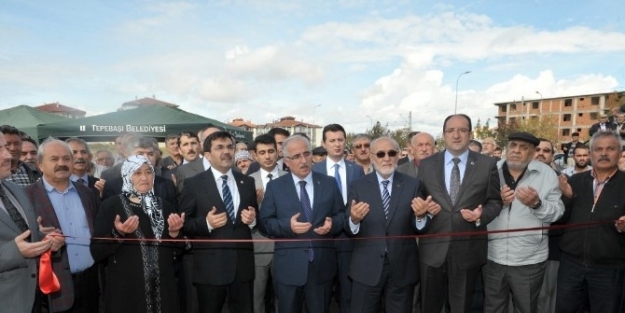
x,y
308,207
360,149
466,186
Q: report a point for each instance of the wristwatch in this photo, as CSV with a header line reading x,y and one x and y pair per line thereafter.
x,y
537,204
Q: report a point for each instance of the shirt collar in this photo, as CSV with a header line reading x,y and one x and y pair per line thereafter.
x,y
218,174
275,173
75,178
308,179
51,188
463,157
330,163
381,179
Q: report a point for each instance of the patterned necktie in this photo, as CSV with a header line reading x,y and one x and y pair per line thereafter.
x,y
305,200
15,214
337,177
454,183
81,181
386,197
225,190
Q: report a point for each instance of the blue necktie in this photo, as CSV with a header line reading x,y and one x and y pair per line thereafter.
x,y
305,200
386,198
337,177
228,198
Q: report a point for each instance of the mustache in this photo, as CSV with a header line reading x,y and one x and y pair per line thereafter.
x,y
61,168
80,161
604,158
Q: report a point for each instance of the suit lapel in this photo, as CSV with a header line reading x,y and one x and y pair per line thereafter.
x,y
469,171
395,194
440,166
45,205
317,193
86,204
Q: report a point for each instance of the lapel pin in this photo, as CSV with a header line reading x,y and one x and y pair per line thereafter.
x,y
241,182
472,163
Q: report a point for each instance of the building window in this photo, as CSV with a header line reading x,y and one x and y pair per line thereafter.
x,y
579,130
566,132
535,105
513,107
568,102
504,108
580,114
594,116
581,99
566,117
594,100
512,121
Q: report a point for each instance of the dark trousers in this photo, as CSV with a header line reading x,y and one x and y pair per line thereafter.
x,y
523,283
211,298
603,286
397,299
343,259
86,291
315,296
447,285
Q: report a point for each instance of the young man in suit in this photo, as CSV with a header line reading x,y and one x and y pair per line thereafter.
x,y
381,204
221,204
20,243
194,163
71,208
344,173
303,205
267,156
466,186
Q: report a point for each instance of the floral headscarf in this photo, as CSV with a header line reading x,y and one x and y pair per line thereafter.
x,y
149,203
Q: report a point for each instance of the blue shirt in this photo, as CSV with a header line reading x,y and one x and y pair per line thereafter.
x,y
73,220
449,165
85,179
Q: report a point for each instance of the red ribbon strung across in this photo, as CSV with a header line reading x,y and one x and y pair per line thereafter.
x,y
449,234
48,282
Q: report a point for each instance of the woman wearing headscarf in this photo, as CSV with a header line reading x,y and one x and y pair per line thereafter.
x,y
139,259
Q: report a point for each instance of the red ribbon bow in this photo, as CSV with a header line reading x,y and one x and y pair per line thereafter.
x,y
48,282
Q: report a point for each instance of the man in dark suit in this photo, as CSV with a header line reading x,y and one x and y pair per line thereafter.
x,y
466,186
602,125
344,173
381,204
221,205
71,208
303,270
20,243
82,157
422,146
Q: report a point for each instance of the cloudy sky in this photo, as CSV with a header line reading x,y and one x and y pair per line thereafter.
x,y
351,62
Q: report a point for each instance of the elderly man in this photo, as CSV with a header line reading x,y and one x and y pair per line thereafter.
x,y
488,146
304,205
82,158
422,146
593,257
20,243
602,125
360,149
531,198
381,204
70,207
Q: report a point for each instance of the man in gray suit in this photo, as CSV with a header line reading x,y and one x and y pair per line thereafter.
x,y
466,186
422,145
20,244
267,156
191,150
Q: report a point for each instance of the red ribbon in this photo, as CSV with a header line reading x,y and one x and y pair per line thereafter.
x,y
48,282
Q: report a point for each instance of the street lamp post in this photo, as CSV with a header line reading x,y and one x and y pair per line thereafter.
x,y
458,79
370,121
541,103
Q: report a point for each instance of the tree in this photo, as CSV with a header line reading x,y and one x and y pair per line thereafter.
x,y
378,131
541,127
481,132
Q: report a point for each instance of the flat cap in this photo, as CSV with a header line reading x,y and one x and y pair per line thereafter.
x,y
523,136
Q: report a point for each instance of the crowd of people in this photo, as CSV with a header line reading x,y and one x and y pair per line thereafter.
x,y
277,225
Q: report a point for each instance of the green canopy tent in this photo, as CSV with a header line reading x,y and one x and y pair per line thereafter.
x,y
26,119
155,121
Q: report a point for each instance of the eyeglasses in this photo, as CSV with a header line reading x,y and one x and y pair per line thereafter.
x,y
382,154
297,157
362,145
453,130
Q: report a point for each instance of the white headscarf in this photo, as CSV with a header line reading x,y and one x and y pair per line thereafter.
x,y
149,202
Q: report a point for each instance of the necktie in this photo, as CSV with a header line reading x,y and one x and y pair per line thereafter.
x,y
305,200
454,183
270,177
15,215
81,181
225,190
386,197
337,177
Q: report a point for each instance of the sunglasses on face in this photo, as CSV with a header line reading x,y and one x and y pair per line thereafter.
x,y
382,154
362,145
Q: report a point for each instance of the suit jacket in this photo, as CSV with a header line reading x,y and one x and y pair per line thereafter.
x,y
188,170
112,172
480,186
18,276
163,188
353,171
263,251
64,299
220,263
597,126
408,168
368,255
290,260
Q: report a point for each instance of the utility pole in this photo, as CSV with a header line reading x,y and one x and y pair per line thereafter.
x,y
409,121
